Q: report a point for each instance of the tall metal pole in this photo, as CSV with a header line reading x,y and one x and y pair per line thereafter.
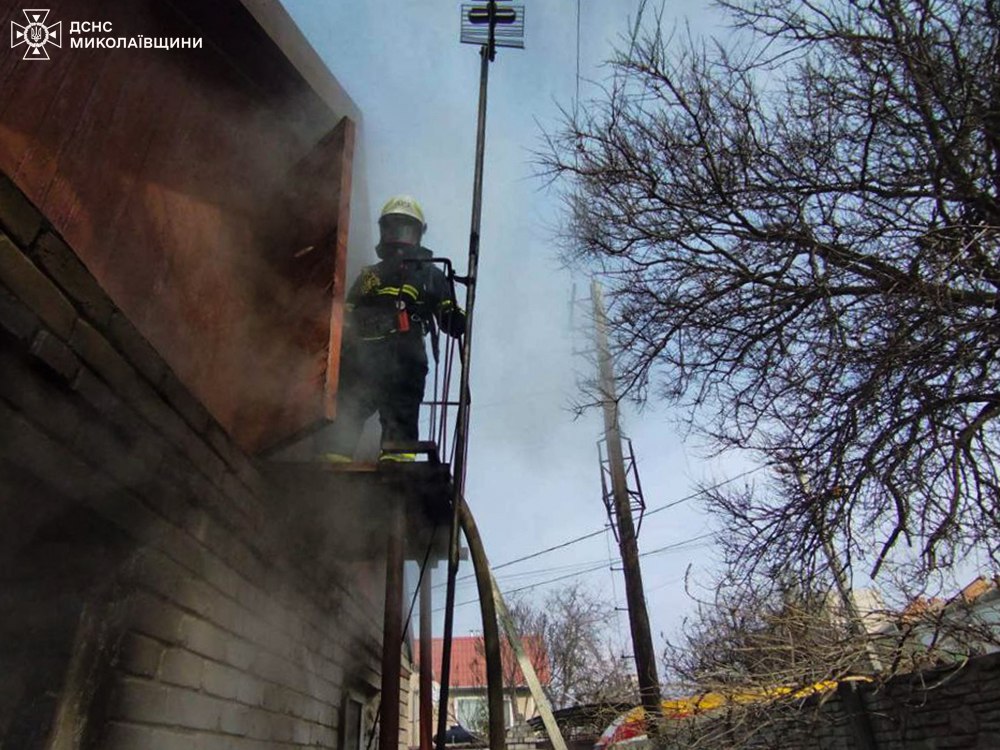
x,y
491,638
642,639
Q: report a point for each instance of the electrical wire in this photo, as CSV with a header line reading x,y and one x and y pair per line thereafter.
x,y
535,572
600,566
603,529
676,545
664,584
683,545
570,567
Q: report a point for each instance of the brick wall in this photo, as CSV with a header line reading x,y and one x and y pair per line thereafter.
x,y
945,708
148,598
942,709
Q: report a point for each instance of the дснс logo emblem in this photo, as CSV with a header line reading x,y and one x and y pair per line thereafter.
x,y
35,34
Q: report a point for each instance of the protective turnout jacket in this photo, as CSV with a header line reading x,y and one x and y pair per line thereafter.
x,y
399,300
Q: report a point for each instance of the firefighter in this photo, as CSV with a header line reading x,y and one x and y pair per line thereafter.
x,y
390,307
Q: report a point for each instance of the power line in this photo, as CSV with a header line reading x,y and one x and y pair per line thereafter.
x,y
674,546
553,580
535,554
512,579
601,530
663,585
555,569
550,549
600,566
575,568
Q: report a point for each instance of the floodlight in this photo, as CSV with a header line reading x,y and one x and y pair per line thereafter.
x,y
507,25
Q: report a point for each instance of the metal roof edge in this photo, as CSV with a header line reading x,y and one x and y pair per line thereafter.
x,y
285,33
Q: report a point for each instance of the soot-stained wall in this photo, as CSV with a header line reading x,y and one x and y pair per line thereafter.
x,y
148,599
206,189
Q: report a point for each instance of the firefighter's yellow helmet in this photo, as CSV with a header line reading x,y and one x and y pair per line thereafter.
x,y
401,224
405,205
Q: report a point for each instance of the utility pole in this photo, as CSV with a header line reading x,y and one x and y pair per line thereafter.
x,y
642,639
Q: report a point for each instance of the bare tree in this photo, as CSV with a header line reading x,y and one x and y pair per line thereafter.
x,y
800,231
748,662
528,627
566,637
744,643
757,660
585,666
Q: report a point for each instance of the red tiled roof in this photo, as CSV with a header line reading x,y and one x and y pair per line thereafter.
x,y
468,666
921,607
977,587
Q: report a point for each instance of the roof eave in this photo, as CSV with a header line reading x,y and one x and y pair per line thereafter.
x,y
277,24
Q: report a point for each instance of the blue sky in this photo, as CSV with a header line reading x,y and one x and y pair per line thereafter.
x,y
533,478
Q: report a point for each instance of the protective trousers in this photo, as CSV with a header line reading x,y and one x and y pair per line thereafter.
x,y
387,376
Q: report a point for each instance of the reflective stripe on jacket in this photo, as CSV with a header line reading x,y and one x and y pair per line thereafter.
x,y
382,292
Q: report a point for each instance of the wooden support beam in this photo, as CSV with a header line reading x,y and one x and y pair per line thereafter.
x,y
392,631
426,665
527,669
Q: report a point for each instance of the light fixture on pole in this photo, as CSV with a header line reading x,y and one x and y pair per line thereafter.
x,y
493,26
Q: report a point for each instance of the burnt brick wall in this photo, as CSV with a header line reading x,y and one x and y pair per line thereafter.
x,y
148,598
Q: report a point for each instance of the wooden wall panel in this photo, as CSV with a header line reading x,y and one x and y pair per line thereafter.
x,y
339,278
188,182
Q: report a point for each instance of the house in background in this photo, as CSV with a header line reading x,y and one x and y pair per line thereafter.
x,y
967,624
467,705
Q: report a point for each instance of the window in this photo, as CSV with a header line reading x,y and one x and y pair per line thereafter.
x,y
472,712
354,735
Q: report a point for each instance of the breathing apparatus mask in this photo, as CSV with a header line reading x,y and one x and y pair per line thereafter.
x,y
401,226
398,232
